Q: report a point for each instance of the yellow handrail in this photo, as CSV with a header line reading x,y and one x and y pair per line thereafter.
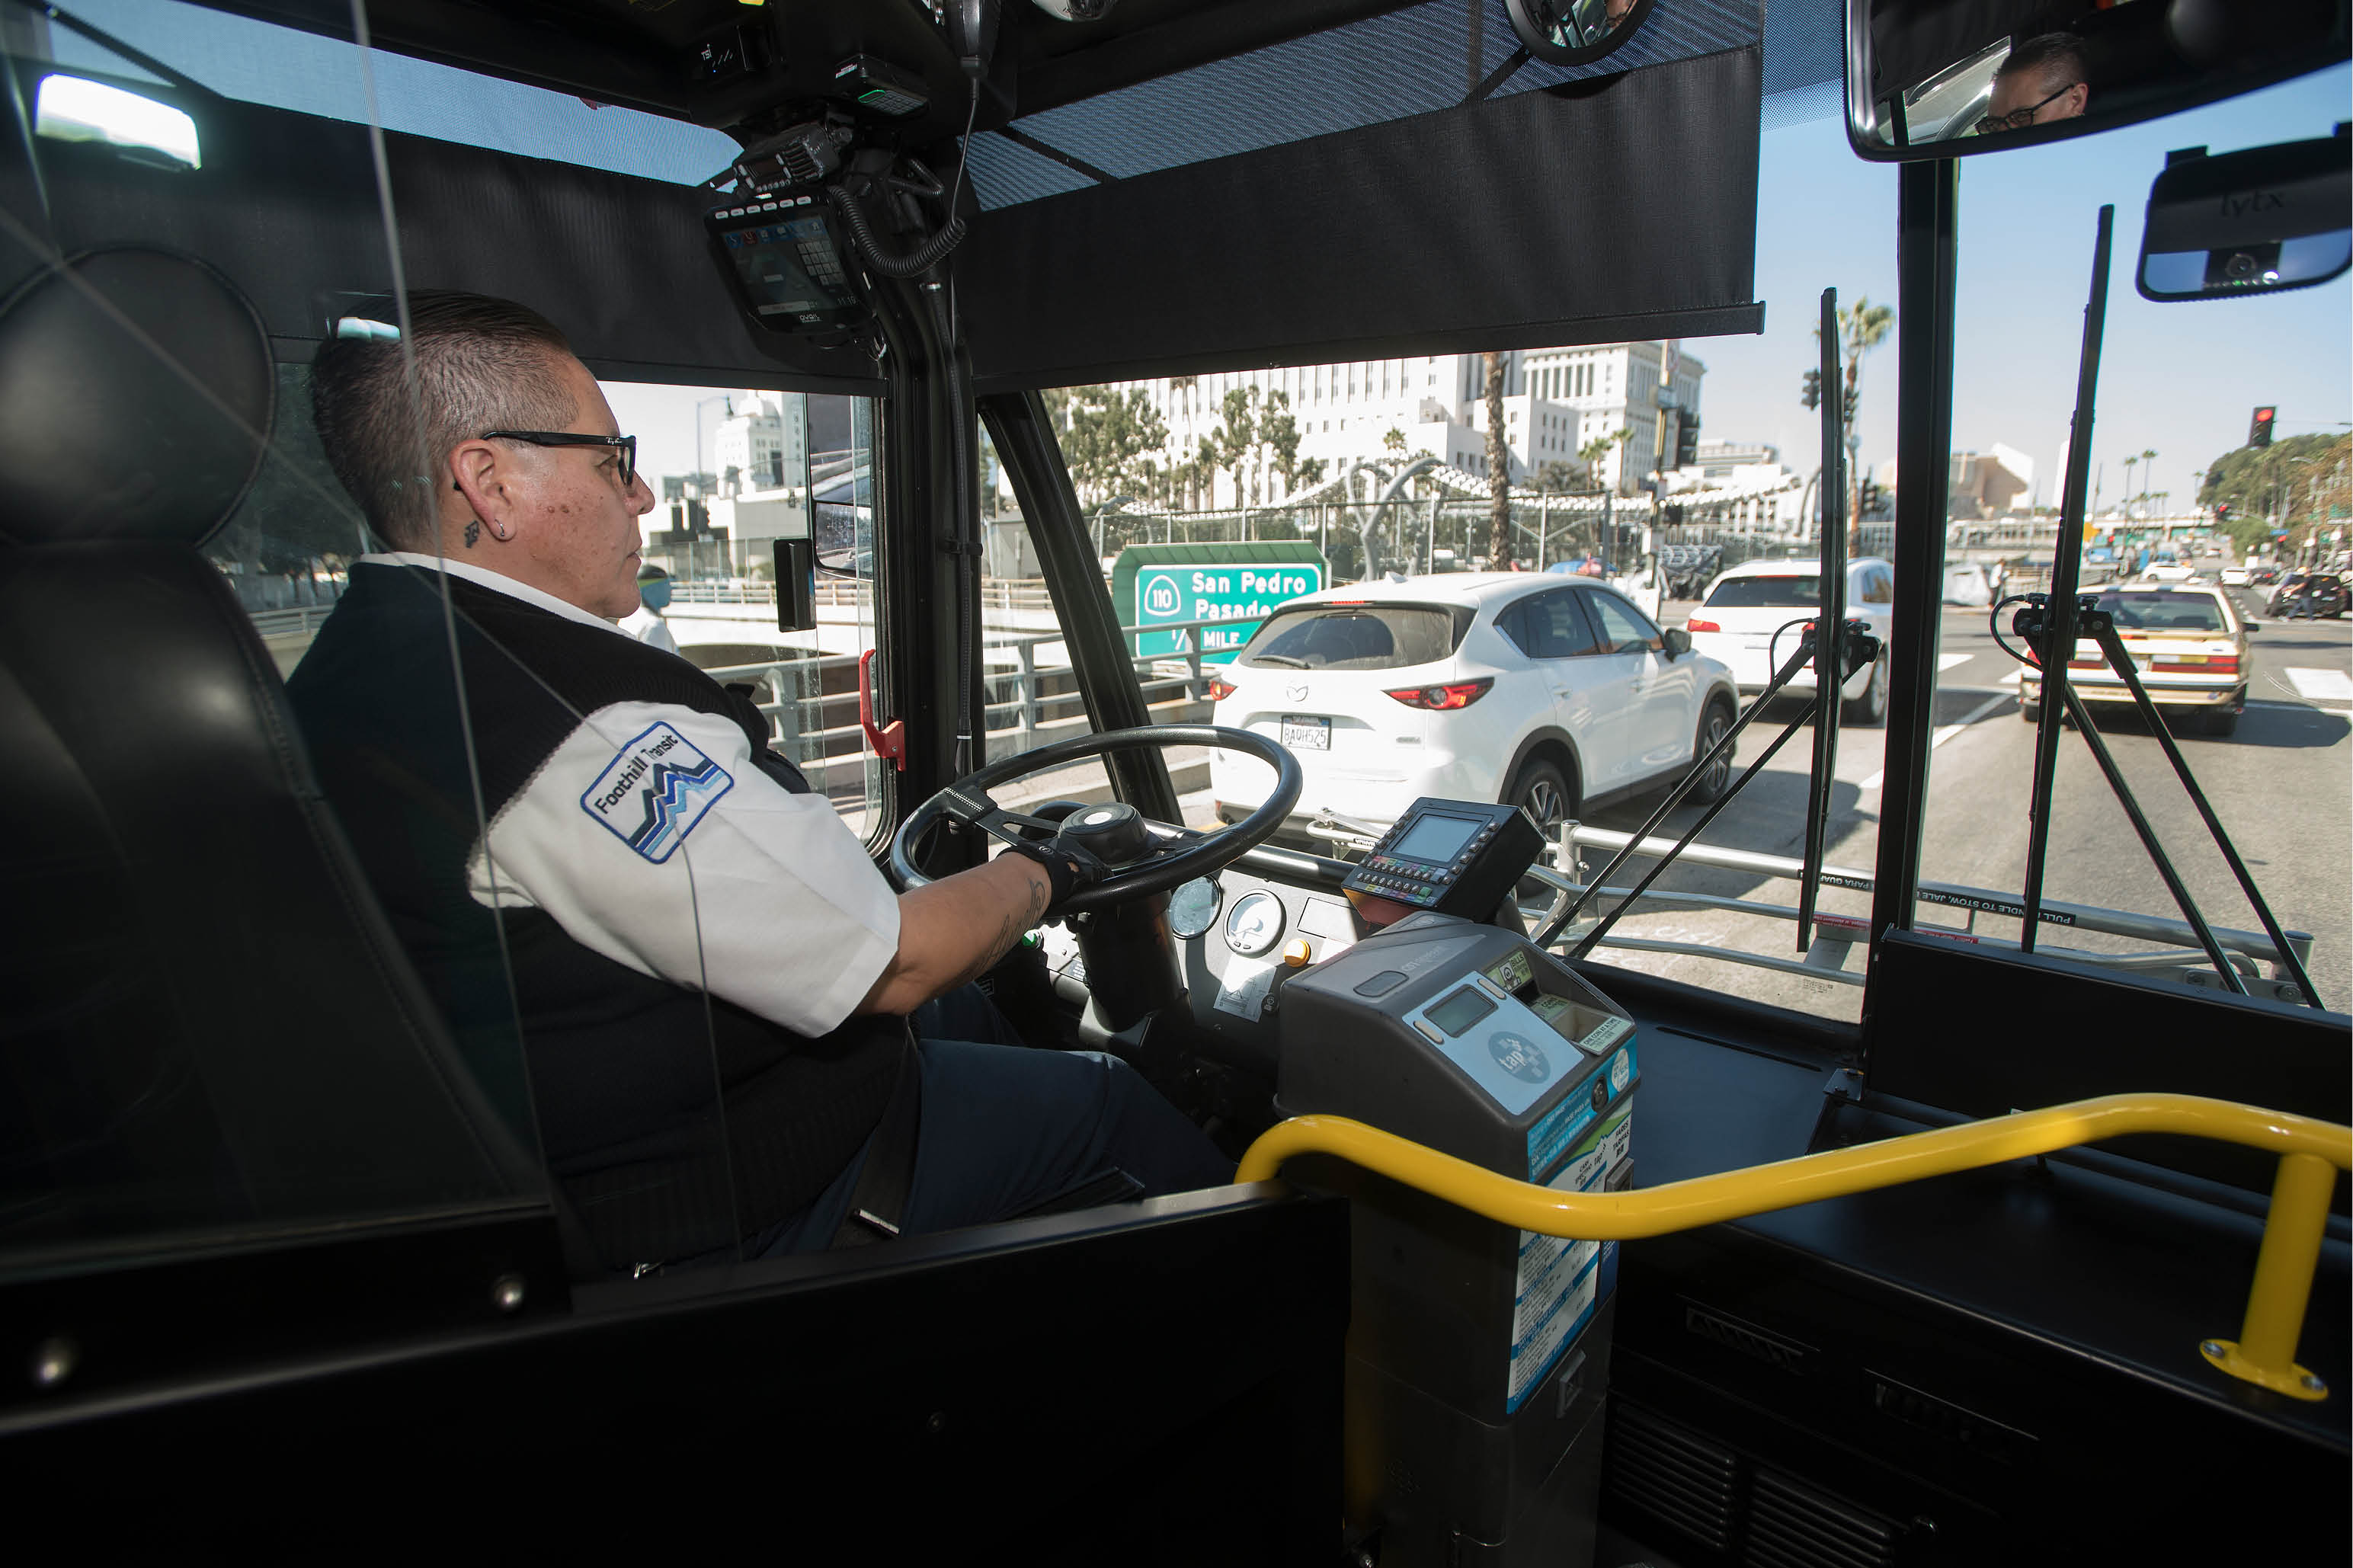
x,y
2311,1152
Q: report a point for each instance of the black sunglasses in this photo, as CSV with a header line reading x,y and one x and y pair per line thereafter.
x,y
627,446
2017,119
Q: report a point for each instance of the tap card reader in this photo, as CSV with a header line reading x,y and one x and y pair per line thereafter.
x,y
1455,857
1478,1353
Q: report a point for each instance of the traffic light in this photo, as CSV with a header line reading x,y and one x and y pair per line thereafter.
x,y
1810,393
2259,429
2221,511
1687,441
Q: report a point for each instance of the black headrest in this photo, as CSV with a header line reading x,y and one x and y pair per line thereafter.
x,y
136,393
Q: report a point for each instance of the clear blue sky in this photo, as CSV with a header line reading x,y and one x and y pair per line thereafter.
x,y
2180,379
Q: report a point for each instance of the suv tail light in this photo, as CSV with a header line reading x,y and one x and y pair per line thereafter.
x,y
1696,625
2195,664
1220,689
1459,694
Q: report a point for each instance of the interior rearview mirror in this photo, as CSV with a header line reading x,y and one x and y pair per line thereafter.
x,y
2257,221
1942,79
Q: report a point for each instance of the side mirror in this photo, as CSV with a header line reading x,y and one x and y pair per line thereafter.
x,y
1677,640
2252,626
2258,221
1574,32
1931,79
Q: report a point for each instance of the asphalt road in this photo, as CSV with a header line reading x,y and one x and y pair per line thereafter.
x,y
2282,787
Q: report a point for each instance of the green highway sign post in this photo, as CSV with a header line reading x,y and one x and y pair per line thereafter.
x,y
1243,583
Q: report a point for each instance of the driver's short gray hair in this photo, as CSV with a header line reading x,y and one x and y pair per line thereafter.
x,y
2057,57
481,363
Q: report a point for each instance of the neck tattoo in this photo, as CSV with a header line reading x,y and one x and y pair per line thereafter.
x,y
473,532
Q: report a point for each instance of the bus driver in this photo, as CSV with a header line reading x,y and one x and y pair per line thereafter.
x,y
672,903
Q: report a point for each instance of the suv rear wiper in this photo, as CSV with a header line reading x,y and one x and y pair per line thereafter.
x,y
1279,659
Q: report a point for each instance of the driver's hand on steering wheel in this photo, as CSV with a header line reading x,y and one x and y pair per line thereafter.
x,y
1069,868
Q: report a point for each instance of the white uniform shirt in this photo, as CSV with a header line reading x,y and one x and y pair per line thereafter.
x,y
651,837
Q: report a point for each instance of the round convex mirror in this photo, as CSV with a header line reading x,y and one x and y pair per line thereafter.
x,y
1572,32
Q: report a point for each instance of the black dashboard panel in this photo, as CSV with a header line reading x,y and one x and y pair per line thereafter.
x,y
1229,984
1998,1365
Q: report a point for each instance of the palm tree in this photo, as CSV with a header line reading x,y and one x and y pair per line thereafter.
x,y
1863,327
2130,463
1594,451
1499,471
2148,473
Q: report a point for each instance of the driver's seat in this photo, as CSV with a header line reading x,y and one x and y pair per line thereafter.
x,y
210,1023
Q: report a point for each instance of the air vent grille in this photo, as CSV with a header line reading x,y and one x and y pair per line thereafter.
x,y
1662,1469
1794,1526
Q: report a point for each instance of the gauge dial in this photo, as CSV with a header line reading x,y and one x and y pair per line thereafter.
x,y
1193,908
1255,924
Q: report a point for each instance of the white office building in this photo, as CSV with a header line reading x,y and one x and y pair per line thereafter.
x,y
763,444
1554,401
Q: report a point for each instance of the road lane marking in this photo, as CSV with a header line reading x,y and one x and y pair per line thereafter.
x,y
1945,734
2321,685
1945,661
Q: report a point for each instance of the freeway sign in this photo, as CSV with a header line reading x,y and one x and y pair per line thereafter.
x,y
1240,583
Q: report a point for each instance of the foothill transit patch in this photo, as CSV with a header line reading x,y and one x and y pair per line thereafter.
x,y
655,791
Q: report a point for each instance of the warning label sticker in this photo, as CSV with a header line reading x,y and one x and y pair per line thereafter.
x,y
1554,1291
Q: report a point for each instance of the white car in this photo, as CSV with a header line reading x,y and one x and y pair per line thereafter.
x,y
1554,694
1743,609
2234,576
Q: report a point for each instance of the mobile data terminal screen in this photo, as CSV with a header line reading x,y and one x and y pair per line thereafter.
x,y
790,267
1436,837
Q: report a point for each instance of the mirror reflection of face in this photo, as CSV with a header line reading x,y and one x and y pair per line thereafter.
x,y
1615,12
2026,97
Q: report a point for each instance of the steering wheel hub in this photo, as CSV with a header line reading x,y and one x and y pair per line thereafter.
x,y
1113,833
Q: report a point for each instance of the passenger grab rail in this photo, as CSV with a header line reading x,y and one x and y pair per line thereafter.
x,y
2311,1153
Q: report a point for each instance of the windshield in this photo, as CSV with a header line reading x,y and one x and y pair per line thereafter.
x,y
2175,476
1762,593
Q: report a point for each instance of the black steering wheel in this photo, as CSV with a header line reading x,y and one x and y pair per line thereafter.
x,y
1179,855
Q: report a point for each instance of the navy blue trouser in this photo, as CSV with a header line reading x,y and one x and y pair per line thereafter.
x,y
1005,1128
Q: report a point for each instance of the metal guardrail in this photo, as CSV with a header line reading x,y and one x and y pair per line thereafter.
x,y
1026,716
297,621
1835,935
2247,948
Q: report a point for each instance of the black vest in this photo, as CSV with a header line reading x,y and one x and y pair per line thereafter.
x,y
619,1067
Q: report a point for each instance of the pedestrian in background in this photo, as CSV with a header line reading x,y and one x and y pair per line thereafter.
x,y
646,622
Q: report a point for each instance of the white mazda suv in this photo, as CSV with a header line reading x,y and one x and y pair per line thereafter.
x,y
1557,695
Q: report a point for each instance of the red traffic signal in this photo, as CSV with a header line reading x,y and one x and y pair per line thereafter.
x,y
2259,429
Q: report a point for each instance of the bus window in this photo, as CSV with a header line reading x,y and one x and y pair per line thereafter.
x,y
2180,494
733,471
1027,682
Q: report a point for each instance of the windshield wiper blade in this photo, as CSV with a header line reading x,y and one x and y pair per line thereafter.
x,y
1281,658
